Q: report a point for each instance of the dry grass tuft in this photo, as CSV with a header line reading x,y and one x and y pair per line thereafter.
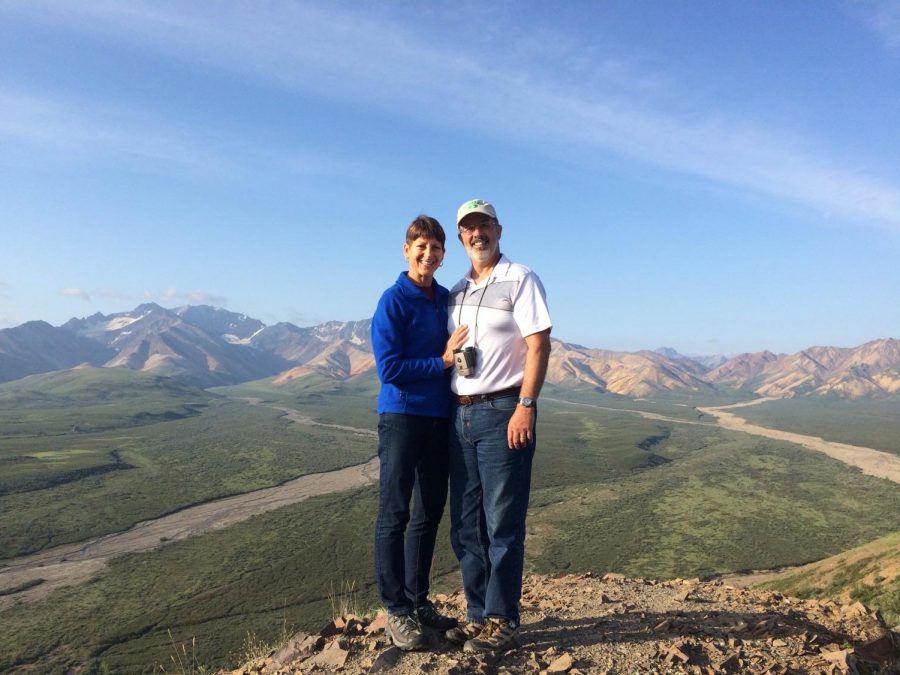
x,y
184,663
344,600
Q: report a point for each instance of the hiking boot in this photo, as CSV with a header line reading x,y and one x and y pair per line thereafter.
x,y
429,617
464,632
405,632
498,635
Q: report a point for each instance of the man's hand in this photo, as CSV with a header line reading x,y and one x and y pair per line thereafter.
x,y
520,431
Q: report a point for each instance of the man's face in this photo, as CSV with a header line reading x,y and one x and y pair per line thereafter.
x,y
480,237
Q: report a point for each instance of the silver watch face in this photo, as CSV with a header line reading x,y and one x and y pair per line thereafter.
x,y
526,402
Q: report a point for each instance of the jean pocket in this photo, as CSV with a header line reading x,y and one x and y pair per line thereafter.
x,y
505,403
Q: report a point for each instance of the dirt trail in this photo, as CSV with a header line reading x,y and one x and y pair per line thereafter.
x,y
296,416
872,462
642,413
76,563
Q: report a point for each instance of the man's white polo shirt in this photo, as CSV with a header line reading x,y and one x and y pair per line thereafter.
x,y
500,312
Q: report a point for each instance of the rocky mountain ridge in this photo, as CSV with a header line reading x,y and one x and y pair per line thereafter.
x,y
37,347
582,624
632,374
870,370
209,346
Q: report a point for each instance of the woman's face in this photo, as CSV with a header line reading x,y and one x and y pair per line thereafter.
x,y
425,255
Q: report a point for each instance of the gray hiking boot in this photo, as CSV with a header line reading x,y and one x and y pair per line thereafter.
x,y
499,635
429,617
405,632
464,632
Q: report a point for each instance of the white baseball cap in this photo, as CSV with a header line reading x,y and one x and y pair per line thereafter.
x,y
475,206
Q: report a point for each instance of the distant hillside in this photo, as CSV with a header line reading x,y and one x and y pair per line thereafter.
x,y
86,385
89,399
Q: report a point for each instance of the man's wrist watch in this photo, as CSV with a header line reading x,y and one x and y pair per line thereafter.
x,y
527,402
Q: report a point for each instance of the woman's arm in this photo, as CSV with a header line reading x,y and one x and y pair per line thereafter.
x,y
388,343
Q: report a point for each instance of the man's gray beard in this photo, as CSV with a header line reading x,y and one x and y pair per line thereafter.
x,y
484,255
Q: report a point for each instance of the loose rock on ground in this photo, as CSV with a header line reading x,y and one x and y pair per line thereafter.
x,y
617,625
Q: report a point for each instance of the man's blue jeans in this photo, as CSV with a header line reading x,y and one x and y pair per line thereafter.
x,y
489,489
413,455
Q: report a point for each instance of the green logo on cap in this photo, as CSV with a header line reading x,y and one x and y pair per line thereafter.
x,y
475,203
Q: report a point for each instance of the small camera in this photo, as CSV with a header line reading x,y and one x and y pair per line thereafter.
x,y
465,361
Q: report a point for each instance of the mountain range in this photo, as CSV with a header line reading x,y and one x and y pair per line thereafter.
x,y
210,346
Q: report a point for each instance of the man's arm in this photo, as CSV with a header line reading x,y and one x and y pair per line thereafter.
x,y
520,431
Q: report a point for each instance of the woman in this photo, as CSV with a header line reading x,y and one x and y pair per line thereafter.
x,y
409,332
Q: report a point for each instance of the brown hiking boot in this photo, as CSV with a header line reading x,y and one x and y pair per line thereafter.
x,y
499,635
464,632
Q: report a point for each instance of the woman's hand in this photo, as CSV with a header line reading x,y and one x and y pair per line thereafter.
x,y
457,340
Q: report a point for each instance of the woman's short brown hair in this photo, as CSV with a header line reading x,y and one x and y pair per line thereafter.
x,y
427,227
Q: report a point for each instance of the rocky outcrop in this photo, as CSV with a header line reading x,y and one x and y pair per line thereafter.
x,y
582,624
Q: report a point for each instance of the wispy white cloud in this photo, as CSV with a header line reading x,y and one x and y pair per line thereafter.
x,y
121,296
74,130
167,295
883,18
79,293
86,130
170,295
584,101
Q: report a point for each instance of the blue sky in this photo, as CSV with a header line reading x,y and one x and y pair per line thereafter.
x,y
715,177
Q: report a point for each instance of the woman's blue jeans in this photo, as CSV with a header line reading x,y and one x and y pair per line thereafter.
x,y
489,489
413,455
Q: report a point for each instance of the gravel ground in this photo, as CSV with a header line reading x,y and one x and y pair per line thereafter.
x,y
616,625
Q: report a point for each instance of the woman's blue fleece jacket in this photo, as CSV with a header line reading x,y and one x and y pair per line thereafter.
x,y
409,333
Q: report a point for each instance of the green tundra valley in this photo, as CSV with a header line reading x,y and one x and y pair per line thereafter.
x,y
106,567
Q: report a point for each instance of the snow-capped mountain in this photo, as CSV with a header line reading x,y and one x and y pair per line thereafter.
x,y
209,346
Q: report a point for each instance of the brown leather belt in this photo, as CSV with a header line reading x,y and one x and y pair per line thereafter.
x,y
481,398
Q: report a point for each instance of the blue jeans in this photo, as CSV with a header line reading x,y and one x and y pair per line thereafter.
x,y
489,489
413,455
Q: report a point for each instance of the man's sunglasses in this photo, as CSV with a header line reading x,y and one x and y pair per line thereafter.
x,y
489,222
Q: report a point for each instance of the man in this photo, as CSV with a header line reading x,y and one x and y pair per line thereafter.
x,y
492,434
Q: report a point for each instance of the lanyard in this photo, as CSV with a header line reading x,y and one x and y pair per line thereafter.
x,y
477,309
